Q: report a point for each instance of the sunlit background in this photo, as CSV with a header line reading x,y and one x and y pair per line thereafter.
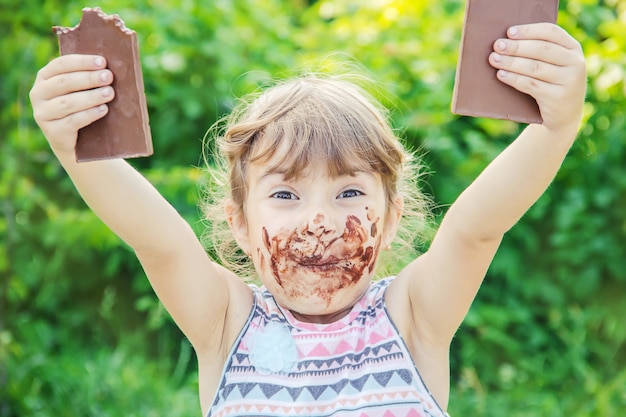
x,y
82,334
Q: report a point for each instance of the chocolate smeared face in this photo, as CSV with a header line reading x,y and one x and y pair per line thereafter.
x,y
316,261
315,239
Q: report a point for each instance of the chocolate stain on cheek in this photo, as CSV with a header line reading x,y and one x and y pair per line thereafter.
x,y
371,215
317,261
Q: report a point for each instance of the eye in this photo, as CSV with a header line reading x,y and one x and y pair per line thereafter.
x,y
349,194
284,195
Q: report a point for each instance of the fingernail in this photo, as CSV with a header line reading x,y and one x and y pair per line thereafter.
x,y
496,57
502,74
513,31
103,76
107,91
102,108
99,62
501,45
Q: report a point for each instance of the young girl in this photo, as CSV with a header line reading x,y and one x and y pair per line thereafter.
x,y
315,195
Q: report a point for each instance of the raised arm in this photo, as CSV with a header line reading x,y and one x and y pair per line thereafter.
x,y
71,92
545,62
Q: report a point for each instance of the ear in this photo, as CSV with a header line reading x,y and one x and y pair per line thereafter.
x,y
392,221
238,225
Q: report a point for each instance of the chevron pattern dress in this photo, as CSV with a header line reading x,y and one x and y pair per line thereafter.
x,y
355,367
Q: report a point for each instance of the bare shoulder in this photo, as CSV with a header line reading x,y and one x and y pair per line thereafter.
x,y
206,300
240,303
213,352
400,304
228,306
429,352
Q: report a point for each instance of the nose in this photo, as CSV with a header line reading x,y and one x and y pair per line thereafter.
x,y
318,225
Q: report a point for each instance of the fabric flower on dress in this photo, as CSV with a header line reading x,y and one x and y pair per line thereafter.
x,y
272,349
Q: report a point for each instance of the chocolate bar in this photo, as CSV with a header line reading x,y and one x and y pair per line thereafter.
x,y
477,91
124,132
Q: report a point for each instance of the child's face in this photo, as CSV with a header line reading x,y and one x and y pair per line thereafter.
x,y
315,240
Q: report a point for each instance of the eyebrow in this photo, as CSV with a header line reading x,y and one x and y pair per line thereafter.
x,y
269,172
266,174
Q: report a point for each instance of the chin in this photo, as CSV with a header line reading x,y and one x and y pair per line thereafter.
x,y
317,296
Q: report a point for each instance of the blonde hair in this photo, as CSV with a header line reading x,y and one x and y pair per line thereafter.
x,y
323,120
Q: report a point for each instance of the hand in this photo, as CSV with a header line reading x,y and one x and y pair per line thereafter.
x,y
70,93
544,61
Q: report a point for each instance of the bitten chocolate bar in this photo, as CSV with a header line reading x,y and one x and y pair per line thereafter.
x,y
124,132
477,91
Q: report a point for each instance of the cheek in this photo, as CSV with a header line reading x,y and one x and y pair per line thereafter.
x,y
374,220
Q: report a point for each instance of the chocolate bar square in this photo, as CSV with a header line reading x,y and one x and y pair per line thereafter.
x,y
124,132
477,91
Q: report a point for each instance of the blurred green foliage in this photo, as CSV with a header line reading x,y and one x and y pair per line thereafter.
x,y
81,333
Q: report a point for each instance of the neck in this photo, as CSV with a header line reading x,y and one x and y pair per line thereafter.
x,y
321,318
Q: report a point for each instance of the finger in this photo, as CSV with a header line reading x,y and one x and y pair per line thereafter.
x,y
539,70
534,87
66,83
63,106
71,63
540,50
73,122
544,31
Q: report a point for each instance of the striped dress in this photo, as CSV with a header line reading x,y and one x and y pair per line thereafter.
x,y
355,367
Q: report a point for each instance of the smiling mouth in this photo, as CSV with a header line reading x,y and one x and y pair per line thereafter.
x,y
320,266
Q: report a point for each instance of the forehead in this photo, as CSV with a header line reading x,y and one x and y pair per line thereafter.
x,y
294,156
262,175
